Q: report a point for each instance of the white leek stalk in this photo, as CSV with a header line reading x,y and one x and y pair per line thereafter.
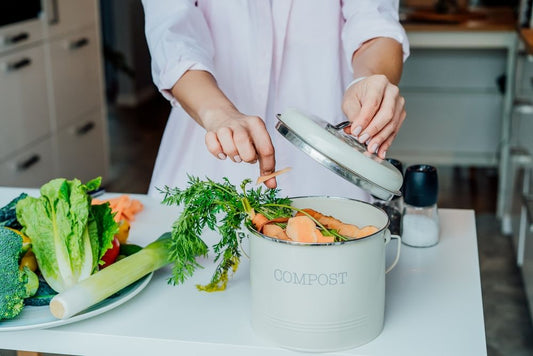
x,y
110,280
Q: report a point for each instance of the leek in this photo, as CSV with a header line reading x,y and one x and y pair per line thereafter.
x,y
112,279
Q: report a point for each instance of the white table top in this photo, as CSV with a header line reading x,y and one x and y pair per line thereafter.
x,y
433,305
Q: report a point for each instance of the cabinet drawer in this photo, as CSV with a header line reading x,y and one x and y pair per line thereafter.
x,y
31,168
82,149
24,113
20,34
451,69
66,15
75,67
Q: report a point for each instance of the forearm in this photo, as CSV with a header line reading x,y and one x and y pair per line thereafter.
x,y
199,95
379,56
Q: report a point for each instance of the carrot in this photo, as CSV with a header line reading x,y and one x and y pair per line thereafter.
x,y
367,230
278,220
123,206
349,230
324,239
259,220
313,213
329,222
273,230
302,229
264,178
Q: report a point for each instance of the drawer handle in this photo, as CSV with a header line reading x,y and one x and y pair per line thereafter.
x,y
82,42
25,165
53,12
14,66
23,36
84,129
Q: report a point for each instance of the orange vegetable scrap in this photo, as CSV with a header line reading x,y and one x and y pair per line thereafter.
x,y
303,227
123,206
264,178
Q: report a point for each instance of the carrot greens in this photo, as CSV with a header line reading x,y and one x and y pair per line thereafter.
x,y
221,207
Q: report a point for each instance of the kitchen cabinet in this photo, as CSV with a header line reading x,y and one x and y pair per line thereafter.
x,y
454,107
24,111
81,146
74,62
52,96
66,16
20,34
36,163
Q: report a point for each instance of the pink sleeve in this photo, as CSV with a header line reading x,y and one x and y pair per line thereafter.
x,y
178,39
370,19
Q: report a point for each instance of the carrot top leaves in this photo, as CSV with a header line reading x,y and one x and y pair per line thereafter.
x,y
220,207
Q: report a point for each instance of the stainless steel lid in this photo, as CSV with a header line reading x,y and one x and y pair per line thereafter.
x,y
340,152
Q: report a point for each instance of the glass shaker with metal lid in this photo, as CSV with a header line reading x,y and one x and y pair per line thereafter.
x,y
420,220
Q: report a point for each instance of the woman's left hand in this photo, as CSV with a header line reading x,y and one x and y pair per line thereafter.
x,y
377,110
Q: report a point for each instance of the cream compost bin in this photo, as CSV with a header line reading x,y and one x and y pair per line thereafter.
x,y
326,297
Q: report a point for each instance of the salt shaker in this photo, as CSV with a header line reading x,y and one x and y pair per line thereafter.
x,y
420,221
393,207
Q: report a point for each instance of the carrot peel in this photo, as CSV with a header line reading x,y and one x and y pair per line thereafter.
x,y
264,178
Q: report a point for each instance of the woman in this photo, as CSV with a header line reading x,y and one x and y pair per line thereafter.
x,y
232,65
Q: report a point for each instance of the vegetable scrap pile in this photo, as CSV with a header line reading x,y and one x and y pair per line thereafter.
x,y
310,226
221,207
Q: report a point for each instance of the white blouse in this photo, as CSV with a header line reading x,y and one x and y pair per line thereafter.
x,y
266,56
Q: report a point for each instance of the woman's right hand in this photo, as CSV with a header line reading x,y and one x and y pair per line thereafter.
x,y
242,138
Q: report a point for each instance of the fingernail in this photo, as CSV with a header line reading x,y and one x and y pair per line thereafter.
x,y
357,131
363,137
237,159
374,148
384,154
221,155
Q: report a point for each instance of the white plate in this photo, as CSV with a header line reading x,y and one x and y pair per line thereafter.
x,y
33,317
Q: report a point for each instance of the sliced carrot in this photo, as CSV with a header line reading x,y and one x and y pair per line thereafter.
x,y
367,230
275,231
349,230
330,222
302,229
278,220
264,178
259,220
123,206
313,213
324,239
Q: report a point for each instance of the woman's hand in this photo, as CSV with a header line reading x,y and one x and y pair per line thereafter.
x,y
377,110
242,138
229,132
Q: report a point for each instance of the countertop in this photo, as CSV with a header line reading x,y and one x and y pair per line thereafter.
x,y
433,304
473,19
481,28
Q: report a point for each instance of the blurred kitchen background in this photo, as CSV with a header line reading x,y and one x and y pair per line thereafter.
x,y
77,100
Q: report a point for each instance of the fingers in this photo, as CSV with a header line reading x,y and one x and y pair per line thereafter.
x,y
369,95
244,139
381,113
265,151
383,140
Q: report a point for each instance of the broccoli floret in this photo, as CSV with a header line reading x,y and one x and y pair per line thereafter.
x,y
15,285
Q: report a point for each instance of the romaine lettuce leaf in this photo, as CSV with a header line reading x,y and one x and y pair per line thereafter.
x,y
68,234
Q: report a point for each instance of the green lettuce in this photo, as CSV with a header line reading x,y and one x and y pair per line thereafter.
x,y
69,235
